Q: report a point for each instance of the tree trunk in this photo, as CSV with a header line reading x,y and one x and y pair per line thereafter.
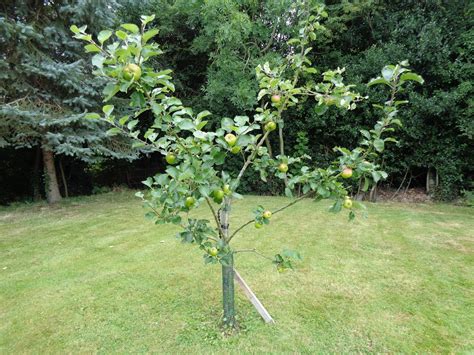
x,y
228,291
432,180
428,173
51,181
36,176
373,194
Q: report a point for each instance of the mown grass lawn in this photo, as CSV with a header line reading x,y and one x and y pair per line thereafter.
x,y
91,274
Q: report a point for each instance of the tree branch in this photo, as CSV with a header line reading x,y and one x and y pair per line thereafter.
x,y
273,213
252,156
254,251
215,217
270,41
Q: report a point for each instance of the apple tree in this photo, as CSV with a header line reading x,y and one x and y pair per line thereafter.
x,y
196,155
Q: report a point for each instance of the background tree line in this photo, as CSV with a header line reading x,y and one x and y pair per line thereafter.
x,y
48,149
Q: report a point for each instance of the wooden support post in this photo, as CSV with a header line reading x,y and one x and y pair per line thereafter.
x,y
253,299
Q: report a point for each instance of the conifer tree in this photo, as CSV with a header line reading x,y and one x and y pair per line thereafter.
x,y
45,86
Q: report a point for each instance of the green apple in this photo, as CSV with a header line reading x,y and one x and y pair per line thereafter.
x,y
132,71
235,149
170,158
190,201
346,173
218,195
227,190
258,225
347,203
213,251
283,168
270,126
267,214
276,99
231,139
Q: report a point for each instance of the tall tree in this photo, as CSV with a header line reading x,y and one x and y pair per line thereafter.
x,y
436,38
213,45
44,85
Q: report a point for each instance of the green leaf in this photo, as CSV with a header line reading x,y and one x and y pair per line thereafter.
x,y
124,120
320,109
91,48
132,124
366,184
411,77
138,144
107,109
110,90
351,215
387,73
293,41
92,116
244,140
376,176
200,134
131,27
336,207
113,131
186,125
147,19
241,120
261,94
365,133
150,34
378,81
98,60
401,102
201,125
122,35
218,156
379,145
311,70
203,114
148,182
104,36
138,99
227,123
74,29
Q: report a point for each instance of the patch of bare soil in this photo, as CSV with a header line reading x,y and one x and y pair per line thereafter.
x,y
416,195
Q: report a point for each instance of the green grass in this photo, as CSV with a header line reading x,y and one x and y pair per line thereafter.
x,y
91,274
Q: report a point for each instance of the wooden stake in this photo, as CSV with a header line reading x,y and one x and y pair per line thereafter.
x,y
253,299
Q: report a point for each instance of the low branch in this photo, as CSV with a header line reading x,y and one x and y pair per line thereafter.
x,y
221,232
269,147
252,156
273,213
253,251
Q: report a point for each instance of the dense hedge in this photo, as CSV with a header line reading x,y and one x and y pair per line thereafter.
x,y
213,47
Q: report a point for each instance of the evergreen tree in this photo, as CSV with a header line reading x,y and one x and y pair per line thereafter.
x,y
45,85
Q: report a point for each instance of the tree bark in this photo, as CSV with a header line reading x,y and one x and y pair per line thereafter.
x,y
228,290
373,194
51,181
